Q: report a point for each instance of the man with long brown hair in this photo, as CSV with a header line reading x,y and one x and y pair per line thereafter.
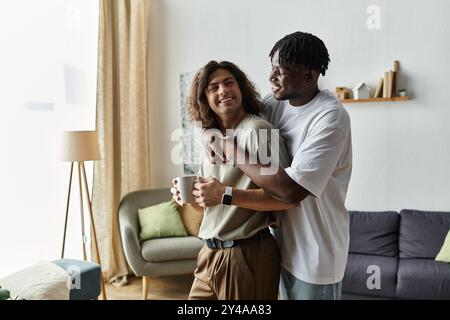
x,y
240,258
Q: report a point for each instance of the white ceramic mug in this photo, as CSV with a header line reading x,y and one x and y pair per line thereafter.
x,y
185,186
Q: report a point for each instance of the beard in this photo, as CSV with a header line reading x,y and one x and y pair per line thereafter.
x,y
281,95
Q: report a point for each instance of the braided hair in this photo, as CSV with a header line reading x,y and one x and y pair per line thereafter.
x,y
302,49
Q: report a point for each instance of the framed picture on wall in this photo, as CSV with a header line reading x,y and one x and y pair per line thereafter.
x,y
192,135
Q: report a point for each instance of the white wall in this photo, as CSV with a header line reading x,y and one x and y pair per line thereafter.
x,y
401,150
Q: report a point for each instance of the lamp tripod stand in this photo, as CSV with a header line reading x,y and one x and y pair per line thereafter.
x,y
83,185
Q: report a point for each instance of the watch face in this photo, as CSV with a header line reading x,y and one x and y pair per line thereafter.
x,y
226,199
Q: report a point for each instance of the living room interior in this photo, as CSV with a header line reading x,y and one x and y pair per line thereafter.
x,y
114,75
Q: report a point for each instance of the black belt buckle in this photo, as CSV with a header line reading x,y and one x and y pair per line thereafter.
x,y
228,243
219,244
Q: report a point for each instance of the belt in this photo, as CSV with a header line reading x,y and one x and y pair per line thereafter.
x,y
215,243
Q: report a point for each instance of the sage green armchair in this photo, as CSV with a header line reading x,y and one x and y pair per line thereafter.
x,y
154,257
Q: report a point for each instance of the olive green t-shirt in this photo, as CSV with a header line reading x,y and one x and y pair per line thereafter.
x,y
231,222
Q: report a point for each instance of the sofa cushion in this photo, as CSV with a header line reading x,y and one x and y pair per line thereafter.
x,y
160,221
444,253
374,233
192,217
169,249
423,279
422,233
357,274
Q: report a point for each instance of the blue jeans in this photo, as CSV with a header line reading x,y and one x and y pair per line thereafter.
x,y
292,288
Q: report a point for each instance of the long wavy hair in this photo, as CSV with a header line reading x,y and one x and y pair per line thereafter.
x,y
198,107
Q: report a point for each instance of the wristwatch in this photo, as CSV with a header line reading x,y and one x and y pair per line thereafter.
x,y
227,197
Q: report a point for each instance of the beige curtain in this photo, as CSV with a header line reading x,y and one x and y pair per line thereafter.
x,y
122,122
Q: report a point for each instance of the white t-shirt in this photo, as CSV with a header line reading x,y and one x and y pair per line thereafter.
x,y
314,235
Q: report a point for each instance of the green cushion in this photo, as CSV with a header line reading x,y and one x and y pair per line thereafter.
x,y
161,221
444,253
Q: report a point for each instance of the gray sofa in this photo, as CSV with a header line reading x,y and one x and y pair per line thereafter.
x,y
400,248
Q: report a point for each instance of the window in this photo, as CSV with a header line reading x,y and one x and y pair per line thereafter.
x,y
48,72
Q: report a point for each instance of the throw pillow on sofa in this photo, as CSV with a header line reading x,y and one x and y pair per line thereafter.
x,y
161,221
444,253
192,217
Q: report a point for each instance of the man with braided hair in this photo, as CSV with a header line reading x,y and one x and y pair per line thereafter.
x,y
314,234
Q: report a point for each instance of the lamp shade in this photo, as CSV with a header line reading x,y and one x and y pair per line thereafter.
x,y
80,146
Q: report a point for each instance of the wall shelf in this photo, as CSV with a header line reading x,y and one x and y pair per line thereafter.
x,y
374,100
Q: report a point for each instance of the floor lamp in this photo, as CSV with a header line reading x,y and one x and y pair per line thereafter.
x,y
78,147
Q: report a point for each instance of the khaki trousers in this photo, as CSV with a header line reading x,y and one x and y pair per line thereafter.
x,y
248,271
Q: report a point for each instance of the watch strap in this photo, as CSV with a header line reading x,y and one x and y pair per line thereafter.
x,y
227,197
229,191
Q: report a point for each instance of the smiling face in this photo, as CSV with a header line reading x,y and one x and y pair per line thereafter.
x,y
223,93
289,83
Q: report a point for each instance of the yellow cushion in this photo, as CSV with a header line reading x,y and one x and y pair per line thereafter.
x,y
192,216
444,253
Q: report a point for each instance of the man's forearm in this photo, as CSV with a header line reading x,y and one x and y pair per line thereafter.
x,y
278,185
270,183
257,199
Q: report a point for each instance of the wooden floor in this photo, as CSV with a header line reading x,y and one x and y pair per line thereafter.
x,y
163,288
